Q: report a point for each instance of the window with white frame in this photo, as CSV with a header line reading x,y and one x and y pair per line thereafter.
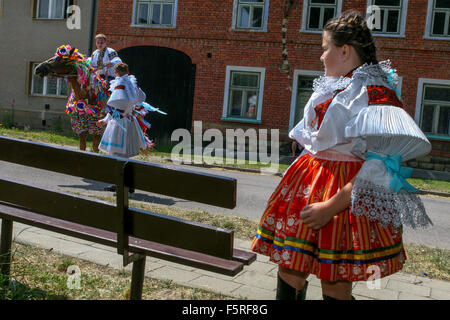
x,y
302,91
435,109
48,86
51,9
155,13
318,12
243,93
439,18
392,16
250,14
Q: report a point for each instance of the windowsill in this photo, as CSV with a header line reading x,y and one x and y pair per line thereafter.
x,y
47,96
311,31
388,35
438,137
230,119
426,37
50,19
248,30
153,26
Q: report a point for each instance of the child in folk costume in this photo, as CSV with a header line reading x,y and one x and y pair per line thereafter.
x,y
125,132
339,209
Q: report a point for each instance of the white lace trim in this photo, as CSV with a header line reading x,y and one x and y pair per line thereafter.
x,y
381,204
324,84
367,74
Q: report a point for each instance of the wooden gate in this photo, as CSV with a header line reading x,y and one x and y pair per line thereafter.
x,y
167,77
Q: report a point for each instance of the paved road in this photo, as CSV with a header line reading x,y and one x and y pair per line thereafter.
x,y
253,192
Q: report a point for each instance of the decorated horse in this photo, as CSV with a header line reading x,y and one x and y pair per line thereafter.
x,y
87,101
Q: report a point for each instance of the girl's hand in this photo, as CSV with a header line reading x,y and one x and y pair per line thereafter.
x,y
100,123
316,215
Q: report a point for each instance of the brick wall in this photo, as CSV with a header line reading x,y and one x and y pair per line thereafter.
x,y
204,27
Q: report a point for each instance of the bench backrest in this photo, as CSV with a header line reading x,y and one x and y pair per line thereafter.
x,y
119,218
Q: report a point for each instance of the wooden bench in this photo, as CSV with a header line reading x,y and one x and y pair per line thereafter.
x,y
135,233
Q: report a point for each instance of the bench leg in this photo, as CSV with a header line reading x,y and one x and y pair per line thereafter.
x,y
137,279
5,250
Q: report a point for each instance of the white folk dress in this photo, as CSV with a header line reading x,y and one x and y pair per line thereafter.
x,y
123,135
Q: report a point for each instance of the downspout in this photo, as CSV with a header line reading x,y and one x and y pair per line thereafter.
x,y
92,27
286,66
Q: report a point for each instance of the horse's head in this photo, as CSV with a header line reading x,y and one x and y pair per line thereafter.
x,y
58,66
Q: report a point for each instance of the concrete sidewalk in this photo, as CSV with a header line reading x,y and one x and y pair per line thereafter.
x,y
255,282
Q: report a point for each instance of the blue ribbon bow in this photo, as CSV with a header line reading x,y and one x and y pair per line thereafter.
x,y
391,82
398,173
116,116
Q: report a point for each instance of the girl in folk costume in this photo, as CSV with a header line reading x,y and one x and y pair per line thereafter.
x,y
125,132
339,209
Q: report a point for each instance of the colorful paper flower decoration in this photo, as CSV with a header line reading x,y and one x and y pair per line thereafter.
x,y
81,106
64,51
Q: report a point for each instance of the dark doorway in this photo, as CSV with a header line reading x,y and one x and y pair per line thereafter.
x,y
167,77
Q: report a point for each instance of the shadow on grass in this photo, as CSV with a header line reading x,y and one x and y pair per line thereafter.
x,y
18,291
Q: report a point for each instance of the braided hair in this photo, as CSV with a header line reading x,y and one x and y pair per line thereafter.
x,y
351,28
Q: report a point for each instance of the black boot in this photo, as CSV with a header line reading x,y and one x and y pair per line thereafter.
x,y
331,298
286,292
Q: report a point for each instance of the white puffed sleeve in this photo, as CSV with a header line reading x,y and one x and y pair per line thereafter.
x,y
124,92
386,135
389,130
113,56
93,59
295,133
331,133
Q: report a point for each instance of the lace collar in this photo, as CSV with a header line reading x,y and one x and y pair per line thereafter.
x,y
367,73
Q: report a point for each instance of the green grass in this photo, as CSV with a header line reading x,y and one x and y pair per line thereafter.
x,y
39,274
430,185
425,261
59,138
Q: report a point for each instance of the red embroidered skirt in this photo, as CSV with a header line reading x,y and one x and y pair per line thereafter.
x,y
345,248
